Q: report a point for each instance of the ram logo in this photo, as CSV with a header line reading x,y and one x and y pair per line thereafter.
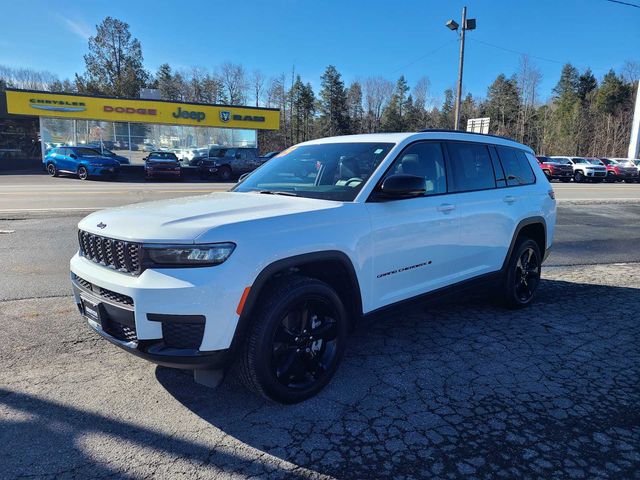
x,y
225,116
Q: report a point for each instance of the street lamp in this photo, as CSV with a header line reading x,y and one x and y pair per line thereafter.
x,y
467,24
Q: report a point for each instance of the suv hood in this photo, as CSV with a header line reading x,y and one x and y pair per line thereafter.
x,y
183,220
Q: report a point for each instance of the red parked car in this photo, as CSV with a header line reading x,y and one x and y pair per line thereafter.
x,y
617,172
162,164
556,168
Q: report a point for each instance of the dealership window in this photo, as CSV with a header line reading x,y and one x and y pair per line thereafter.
x,y
135,140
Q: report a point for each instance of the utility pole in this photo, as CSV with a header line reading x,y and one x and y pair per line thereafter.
x,y
456,123
469,24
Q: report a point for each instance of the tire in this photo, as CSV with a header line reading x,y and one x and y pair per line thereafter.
x,y
547,174
578,177
520,280
281,360
565,180
52,170
83,173
224,174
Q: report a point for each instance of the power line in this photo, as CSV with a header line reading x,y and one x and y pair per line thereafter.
x,y
422,57
624,3
517,52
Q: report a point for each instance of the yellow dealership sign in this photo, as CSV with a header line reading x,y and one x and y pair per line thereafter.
x,y
44,104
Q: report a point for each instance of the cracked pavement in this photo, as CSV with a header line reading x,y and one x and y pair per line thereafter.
x,y
448,390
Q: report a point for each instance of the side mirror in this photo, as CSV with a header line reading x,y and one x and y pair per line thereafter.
x,y
402,186
73,155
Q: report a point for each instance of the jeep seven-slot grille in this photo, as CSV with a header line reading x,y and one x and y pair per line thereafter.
x,y
117,254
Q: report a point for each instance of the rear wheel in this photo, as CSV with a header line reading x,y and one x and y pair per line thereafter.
x,y
522,276
52,170
295,341
83,173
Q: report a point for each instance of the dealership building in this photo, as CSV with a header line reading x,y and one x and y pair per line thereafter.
x,y
33,121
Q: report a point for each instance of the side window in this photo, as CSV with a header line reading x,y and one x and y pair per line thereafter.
x,y
423,159
516,166
64,151
471,167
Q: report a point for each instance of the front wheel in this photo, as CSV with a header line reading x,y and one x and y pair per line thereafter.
x,y
578,177
83,173
52,170
295,341
224,174
522,276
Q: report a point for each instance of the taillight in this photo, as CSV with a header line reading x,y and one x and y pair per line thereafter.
x,y
552,194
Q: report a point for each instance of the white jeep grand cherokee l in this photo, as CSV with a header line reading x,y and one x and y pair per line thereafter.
x,y
271,276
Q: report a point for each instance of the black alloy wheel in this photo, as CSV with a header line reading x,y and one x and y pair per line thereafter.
x,y
224,174
304,345
527,275
296,339
521,276
52,170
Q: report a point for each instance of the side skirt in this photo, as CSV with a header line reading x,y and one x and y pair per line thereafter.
x,y
476,284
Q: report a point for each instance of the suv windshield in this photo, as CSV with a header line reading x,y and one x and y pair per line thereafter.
x,y
330,171
594,161
561,161
163,156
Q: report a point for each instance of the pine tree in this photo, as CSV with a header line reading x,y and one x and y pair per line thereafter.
x,y
393,117
356,112
502,105
334,116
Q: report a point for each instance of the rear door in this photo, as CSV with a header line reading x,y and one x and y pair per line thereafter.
x,y
485,225
415,240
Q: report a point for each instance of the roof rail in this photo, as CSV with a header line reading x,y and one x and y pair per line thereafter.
x,y
448,130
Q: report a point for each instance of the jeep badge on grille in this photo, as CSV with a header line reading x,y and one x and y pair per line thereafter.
x,y
101,225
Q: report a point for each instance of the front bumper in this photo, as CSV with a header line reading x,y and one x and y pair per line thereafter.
x,y
96,170
163,173
166,308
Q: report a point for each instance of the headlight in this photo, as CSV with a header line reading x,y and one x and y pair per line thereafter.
x,y
189,255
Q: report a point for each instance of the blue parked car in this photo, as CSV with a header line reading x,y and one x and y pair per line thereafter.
x,y
81,161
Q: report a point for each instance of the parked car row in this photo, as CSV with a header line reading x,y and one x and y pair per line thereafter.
x,y
583,169
97,161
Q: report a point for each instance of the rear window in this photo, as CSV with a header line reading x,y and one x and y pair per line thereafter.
x,y
471,167
515,164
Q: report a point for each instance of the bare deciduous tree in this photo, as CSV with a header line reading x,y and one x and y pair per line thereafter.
x,y
234,81
257,86
377,93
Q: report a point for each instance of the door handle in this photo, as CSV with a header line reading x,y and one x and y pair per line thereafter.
x,y
509,199
446,207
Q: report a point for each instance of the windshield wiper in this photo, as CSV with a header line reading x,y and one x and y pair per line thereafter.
x,y
275,192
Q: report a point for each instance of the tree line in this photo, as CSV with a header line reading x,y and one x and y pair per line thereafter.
x,y
584,116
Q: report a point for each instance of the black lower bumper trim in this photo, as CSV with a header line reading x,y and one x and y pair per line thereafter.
x,y
157,352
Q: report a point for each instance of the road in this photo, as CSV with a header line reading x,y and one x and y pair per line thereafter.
x,y
38,192
461,389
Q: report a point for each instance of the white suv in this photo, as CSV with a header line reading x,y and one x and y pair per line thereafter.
x,y
271,276
586,169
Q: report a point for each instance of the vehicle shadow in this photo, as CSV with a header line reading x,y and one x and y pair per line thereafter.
x,y
460,388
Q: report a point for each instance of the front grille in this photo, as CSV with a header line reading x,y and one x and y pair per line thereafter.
x,y
114,297
117,254
182,335
120,330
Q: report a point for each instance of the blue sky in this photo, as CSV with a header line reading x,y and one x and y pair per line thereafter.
x,y
361,38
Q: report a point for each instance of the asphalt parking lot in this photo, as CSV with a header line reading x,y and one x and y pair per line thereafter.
x,y
449,390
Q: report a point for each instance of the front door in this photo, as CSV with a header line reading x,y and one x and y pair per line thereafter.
x,y
415,241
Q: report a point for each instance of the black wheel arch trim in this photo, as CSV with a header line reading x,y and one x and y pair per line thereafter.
x,y
524,223
286,263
